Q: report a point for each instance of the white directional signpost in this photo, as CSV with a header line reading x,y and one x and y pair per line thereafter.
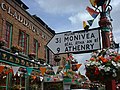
x,y
75,42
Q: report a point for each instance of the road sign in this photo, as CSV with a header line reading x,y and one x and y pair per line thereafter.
x,y
75,42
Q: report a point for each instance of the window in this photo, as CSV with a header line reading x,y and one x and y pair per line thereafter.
x,y
35,47
23,41
8,33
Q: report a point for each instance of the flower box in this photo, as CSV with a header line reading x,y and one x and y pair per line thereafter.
x,y
2,42
16,48
32,56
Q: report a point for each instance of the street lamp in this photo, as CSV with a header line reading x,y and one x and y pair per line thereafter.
x,y
104,8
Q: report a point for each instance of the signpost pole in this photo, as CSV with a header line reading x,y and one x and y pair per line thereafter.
x,y
106,28
105,25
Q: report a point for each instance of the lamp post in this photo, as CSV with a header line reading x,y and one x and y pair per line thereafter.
x,y
104,22
104,8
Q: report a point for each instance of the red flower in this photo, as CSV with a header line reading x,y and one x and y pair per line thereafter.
x,y
92,59
104,60
96,71
117,58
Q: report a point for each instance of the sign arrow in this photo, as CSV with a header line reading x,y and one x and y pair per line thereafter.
x,y
75,42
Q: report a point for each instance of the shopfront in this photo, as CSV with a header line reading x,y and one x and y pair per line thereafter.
x,y
18,73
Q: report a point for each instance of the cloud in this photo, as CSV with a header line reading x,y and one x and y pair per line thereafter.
x,y
75,19
115,3
60,6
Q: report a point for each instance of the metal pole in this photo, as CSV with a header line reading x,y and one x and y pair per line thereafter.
x,y
20,82
42,84
7,82
105,24
106,28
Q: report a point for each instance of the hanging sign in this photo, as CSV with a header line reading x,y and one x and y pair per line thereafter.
x,y
75,42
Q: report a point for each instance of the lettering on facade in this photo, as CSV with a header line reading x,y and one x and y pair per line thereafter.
x,y
19,17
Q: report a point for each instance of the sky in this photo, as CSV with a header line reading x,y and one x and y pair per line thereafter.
x,y
68,15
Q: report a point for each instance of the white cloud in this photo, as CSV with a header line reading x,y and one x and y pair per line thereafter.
x,y
115,3
79,17
60,6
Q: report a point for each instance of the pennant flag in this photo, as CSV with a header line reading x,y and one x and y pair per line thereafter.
x,y
1,68
92,12
85,26
93,2
55,69
29,70
48,79
19,73
78,65
41,78
43,70
67,66
34,77
90,22
15,69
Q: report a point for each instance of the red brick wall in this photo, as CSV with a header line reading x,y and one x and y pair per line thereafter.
x,y
17,25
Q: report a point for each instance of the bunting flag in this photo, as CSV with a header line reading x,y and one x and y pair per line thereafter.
x,y
67,66
41,78
90,22
29,70
55,69
34,77
67,59
78,65
85,26
92,12
71,57
1,68
19,73
43,70
48,78
93,2
15,69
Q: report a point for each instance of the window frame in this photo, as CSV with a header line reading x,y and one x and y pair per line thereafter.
x,y
8,33
23,41
35,47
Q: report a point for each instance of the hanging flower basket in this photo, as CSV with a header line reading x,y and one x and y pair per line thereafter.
x,y
103,65
57,58
2,42
16,48
32,56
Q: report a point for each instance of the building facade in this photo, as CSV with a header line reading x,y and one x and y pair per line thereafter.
x,y
23,39
20,28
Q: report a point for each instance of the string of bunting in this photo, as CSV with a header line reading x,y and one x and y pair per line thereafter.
x,y
94,14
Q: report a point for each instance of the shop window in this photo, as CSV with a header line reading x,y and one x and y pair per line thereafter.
x,y
35,46
23,41
8,34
